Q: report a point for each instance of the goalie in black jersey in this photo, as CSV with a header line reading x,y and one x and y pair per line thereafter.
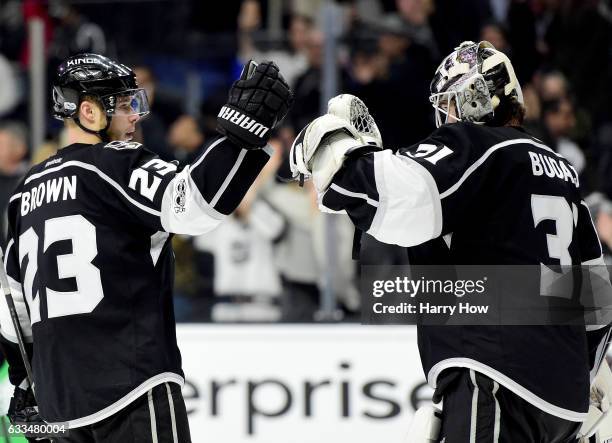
x,y
479,190
89,257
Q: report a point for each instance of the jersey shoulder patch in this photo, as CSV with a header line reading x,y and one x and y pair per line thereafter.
x,y
121,145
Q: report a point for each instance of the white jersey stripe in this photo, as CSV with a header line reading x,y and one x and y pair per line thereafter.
x,y
172,416
102,175
348,193
582,202
229,178
12,288
487,154
139,391
473,422
596,261
497,426
152,416
506,382
7,252
210,148
600,354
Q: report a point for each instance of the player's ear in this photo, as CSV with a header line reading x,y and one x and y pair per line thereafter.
x,y
91,112
88,111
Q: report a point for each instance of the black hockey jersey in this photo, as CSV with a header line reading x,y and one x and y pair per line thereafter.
x,y
91,267
478,195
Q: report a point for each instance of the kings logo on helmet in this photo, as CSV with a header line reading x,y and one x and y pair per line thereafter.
x,y
78,61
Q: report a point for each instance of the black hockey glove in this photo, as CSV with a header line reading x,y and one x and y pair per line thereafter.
x,y
22,407
23,411
257,102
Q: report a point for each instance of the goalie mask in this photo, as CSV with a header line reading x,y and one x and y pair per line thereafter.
x,y
474,78
112,84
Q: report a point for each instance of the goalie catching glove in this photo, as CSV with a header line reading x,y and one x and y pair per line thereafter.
x,y
257,102
320,149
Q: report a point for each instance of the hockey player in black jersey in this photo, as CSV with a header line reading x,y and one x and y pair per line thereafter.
x,y
479,190
89,256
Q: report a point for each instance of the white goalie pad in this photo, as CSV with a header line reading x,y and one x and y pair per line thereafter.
x,y
425,426
599,417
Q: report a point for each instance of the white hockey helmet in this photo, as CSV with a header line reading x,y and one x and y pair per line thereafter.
x,y
477,77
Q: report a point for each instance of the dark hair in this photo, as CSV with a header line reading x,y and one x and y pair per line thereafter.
x,y
508,111
501,27
17,129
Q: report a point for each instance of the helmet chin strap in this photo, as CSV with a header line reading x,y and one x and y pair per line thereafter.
x,y
102,133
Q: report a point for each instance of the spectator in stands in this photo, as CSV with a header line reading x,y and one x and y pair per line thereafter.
x,y
415,14
343,279
522,37
246,277
12,29
558,121
307,86
395,70
532,108
295,250
496,34
186,137
13,149
9,89
577,34
152,130
553,86
290,57
546,87
394,39
295,254
74,33
600,206
454,21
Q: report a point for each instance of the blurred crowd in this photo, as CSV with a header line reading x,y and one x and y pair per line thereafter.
x,y
277,256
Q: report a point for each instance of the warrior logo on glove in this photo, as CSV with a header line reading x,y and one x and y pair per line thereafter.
x,y
257,103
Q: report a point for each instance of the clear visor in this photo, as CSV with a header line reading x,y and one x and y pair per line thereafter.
x,y
128,103
444,112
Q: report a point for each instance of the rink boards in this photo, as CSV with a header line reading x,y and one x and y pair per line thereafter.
x,y
301,384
